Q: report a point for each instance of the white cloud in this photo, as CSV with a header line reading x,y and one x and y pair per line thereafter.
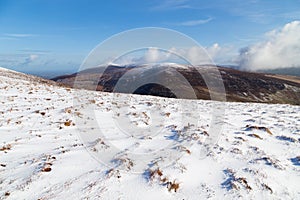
x,y
152,55
34,51
171,5
149,55
7,38
33,57
281,49
195,22
214,50
195,55
18,35
156,55
14,60
35,62
214,54
30,59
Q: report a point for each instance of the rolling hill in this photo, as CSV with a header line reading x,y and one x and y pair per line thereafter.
x,y
239,86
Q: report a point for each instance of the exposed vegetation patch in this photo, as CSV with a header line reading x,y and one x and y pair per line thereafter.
x,y
234,182
261,128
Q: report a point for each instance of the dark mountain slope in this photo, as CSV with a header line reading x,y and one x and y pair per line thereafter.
x,y
240,86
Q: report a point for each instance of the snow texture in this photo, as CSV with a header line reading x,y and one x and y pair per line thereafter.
x,y
42,156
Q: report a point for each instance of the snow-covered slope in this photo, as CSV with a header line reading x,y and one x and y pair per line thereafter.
x,y
4,69
42,155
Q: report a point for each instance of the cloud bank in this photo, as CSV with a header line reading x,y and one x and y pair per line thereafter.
x,y
281,49
196,55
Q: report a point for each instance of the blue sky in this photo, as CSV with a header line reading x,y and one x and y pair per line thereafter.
x,y
56,35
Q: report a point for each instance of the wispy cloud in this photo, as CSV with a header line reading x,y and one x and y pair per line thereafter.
x,y
30,59
291,15
30,62
20,60
257,11
171,5
7,38
195,22
19,35
35,51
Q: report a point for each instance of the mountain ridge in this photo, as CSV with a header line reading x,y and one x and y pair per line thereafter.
x,y
240,86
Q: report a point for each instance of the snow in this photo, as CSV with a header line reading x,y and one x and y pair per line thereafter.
x,y
246,162
5,69
175,65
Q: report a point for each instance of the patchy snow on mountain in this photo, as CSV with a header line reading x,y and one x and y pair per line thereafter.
x,y
43,153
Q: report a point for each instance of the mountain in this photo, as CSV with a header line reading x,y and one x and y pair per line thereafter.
x,y
292,71
240,86
7,73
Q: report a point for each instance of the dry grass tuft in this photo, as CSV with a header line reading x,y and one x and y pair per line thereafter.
x,y
265,186
259,128
68,123
6,147
173,186
255,136
244,182
46,169
93,101
154,173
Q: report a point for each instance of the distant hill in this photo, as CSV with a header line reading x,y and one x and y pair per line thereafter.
x,y
293,71
240,86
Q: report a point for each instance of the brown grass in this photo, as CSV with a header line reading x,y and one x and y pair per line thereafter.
x,y
93,101
260,128
244,182
155,172
68,123
255,136
265,186
173,186
46,169
205,133
6,147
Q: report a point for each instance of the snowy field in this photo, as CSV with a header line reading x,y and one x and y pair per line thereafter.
x,y
43,155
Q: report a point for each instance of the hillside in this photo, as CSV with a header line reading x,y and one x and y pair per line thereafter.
x,y
239,86
44,153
